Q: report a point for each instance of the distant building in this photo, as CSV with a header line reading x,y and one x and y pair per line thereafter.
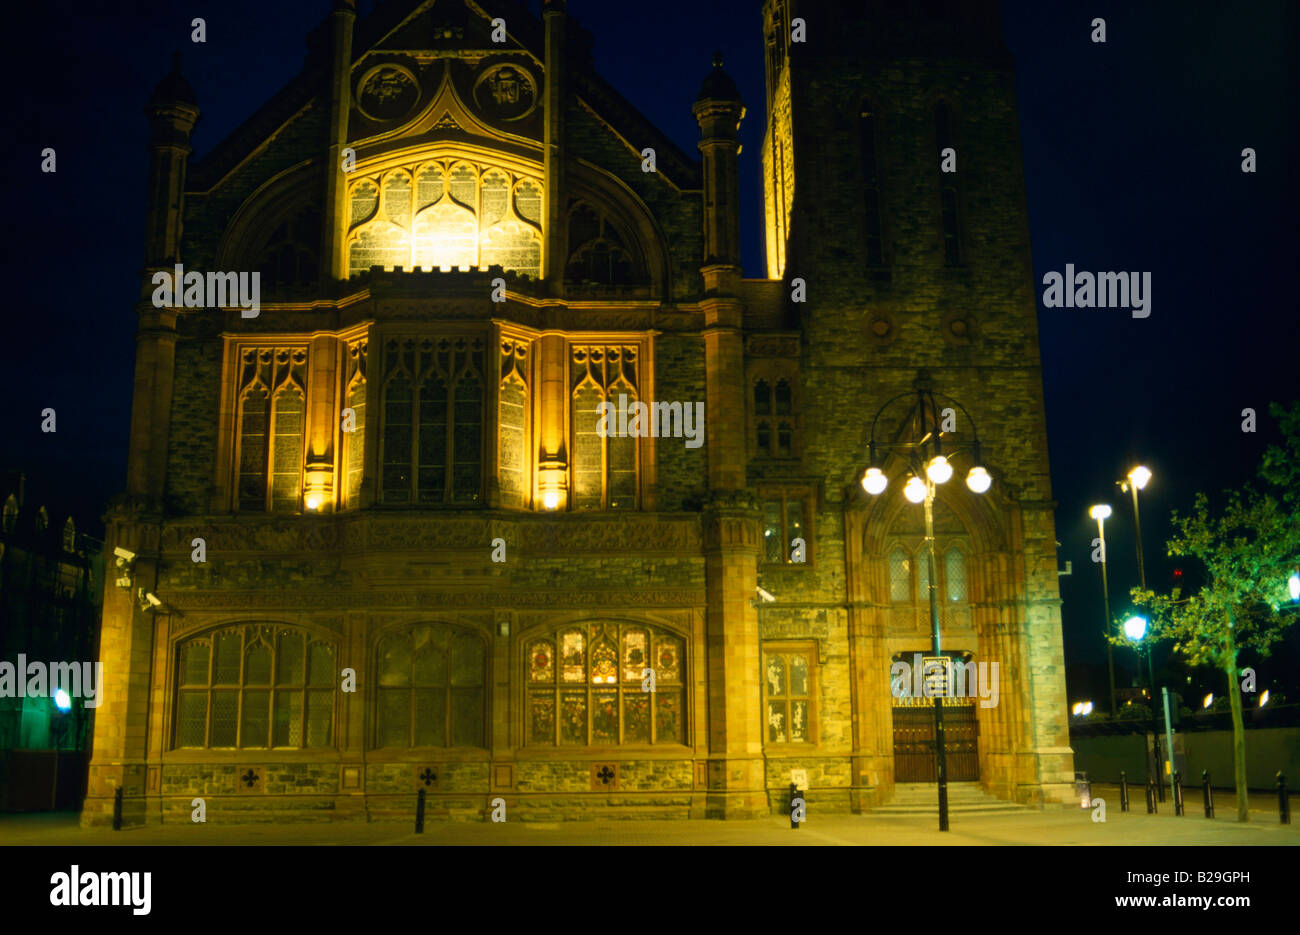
x,y
467,248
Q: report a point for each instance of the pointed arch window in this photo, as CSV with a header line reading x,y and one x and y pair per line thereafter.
x,y
432,439
598,252
291,254
605,474
586,687
900,575
255,686
271,428
354,422
773,417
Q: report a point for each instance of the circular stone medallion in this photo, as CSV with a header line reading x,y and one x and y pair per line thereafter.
x,y
506,92
387,92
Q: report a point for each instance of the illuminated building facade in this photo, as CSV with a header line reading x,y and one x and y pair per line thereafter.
x,y
392,547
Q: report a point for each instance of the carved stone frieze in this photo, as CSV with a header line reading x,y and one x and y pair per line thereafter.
x,y
245,601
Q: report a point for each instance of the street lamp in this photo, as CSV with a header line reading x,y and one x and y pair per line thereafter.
x,y
929,467
1100,512
1135,480
1293,586
1135,628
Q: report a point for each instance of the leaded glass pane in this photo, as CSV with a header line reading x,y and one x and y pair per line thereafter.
x,y
900,578
428,186
636,654
430,717
798,675
621,455
355,443
286,481
573,645
587,449
467,717
794,522
227,668
467,444
193,719
775,676
955,573
288,719
636,716
669,727
668,656
194,664
541,662
289,664
541,718
772,532
394,717
395,661
256,718
573,717
446,237
257,665
397,441
604,717
252,452
510,446
776,722
495,198
463,185
320,717
225,706
528,201
365,198
431,665
798,721
397,199
433,441
604,663
466,661
379,244
321,658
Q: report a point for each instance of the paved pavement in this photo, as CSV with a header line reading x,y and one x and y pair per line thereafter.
x,y
1054,827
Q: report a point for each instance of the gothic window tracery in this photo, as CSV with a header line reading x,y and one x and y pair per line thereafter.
x,y
354,429
291,255
586,686
272,398
445,213
604,468
432,440
255,685
431,688
598,252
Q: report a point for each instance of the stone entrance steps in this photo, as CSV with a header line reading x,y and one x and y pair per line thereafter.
x,y
964,798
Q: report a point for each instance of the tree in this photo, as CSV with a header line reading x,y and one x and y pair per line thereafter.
x,y
1248,547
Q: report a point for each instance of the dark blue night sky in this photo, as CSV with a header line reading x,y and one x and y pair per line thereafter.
x,y
1132,160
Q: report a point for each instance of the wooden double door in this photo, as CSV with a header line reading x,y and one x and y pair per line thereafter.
x,y
914,742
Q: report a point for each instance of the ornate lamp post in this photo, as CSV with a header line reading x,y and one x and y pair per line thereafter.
x,y
928,467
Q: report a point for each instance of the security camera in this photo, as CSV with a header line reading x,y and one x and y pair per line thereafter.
x,y
124,556
766,596
149,596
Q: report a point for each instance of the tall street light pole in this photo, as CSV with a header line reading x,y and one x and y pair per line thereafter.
x,y
929,467
1136,480
1099,513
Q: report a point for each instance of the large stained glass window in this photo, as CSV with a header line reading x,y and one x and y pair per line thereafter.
x,y
255,686
587,684
445,214
604,463
430,688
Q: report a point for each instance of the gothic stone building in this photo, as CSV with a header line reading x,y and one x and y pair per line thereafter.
x,y
462,254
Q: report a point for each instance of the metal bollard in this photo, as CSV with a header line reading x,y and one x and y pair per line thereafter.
x,y
419,812
1178,792
794,794
117,808
1151,797
1123,791
1283,803
1208,793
